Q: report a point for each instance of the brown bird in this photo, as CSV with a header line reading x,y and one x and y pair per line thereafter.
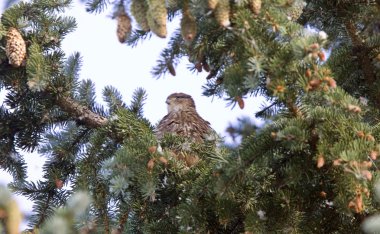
x,y
183,120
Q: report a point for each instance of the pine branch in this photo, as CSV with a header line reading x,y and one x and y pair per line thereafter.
x,y
139,97
81,113
13,163
123,220
113,98
268,109
45,208
106,223
96,6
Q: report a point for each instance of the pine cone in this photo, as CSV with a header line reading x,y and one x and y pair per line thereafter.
x,y
139,11
212,4
15,48
240,101
222,13
123,26
255,6
188,25
171,68
156,16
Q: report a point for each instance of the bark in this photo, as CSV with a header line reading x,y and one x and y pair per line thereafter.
x,y
362,53
81,113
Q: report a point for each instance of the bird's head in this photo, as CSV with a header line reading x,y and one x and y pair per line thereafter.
x,y
179,102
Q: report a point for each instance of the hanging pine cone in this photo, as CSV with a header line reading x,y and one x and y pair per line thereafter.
x,y
188,25
240,101
123,27
198,66
212,4
139,11
156,17
255,6
205,65
222,13
171,68
15,48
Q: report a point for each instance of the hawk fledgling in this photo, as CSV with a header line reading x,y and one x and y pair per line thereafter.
x,y
183,120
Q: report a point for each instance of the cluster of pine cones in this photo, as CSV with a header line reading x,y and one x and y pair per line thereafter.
x,y
151,15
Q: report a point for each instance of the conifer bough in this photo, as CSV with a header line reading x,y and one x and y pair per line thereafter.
x,y
81,113
311,169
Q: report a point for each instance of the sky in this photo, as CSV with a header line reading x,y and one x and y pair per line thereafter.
x,y
108,62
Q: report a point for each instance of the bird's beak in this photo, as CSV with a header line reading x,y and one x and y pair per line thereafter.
x,y
167,101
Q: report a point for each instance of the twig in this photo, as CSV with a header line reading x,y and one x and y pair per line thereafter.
x,y
46,206
123,220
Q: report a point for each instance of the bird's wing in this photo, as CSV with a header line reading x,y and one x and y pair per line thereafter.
x,y
167,124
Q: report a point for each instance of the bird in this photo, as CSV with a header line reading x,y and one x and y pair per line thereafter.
x,y
183,120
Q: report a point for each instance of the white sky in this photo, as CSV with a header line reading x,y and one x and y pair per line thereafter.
x,y
108,62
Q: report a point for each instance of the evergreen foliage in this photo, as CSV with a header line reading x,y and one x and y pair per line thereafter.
x,y
311,169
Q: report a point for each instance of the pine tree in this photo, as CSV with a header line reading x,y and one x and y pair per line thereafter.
x,y
312,168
